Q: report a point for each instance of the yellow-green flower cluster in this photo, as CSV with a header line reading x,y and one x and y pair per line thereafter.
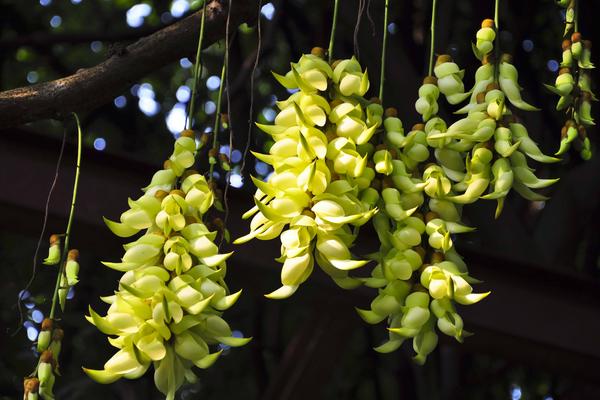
x,y
319,191
167,309
419,275
573,85
485,153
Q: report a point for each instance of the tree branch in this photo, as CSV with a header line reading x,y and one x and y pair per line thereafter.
x,y
92,87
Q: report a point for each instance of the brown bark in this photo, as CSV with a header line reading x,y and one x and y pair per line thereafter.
x,y
92,87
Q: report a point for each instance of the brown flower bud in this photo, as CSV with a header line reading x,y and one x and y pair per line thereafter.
x,y
418,127
576,37
566,44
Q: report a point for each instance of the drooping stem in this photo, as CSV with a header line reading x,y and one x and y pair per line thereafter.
x,y
497,42
197,70
70,221
383,50
432,37
496,19
218,115
333,27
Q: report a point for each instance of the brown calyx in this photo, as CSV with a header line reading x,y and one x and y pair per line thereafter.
x,y
54,239
223,158
46,356
375,100
189,172
58,334
581,132
187,133
73,255
566,44
421,251
418,127
563,132
318,51
47,324
576,37
391,112
564,70
160,194
335,63
31,385
507,58
204,138
437,257
430,216
334,103
177,192
167,164
308,213
387,182
213,152
443,58
492,86
480,98
487,23
430,79
587,44
190,219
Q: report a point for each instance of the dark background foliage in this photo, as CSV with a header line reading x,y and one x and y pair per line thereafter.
x,y
536,335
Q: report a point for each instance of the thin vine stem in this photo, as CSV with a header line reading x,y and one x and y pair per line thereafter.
x,y
70,221
496,18
497,42
432,36
217,117
383,50
333,28
197,70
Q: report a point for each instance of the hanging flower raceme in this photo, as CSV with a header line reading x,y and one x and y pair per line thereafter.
x,y
495,143
315,198
414,295
167,309
573,85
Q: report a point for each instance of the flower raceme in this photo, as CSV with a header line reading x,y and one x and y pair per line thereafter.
x,y
575,93
323,169
167,309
